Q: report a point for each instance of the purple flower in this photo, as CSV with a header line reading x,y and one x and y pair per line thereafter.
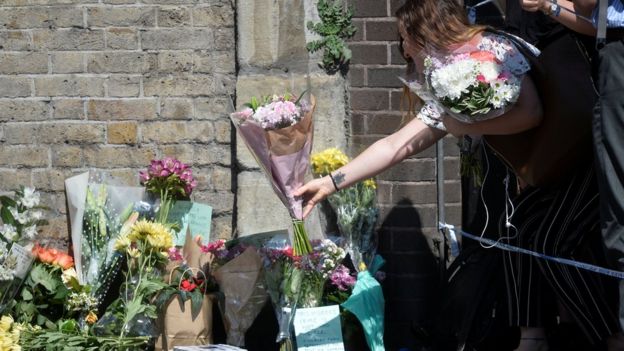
x,y
144,176
342,279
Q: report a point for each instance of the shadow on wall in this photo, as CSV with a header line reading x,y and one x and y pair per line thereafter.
x,y
412,277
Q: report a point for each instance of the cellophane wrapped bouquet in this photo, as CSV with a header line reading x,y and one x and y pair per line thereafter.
x,y
297,281
237,269
469,84
21,215
278,131
355,208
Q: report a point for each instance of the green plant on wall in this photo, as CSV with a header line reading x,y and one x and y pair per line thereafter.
x,y
335,27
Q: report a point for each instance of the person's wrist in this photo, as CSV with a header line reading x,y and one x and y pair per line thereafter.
x,y
333,186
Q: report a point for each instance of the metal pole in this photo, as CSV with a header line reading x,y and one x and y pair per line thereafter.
x,y
440,202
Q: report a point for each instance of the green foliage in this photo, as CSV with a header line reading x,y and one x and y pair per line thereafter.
x,y
67,336
335,27
474,102
43,297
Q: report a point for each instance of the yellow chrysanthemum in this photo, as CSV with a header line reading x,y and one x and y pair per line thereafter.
x,y
5,323
327,161
161,240
370,183
122,243
152,232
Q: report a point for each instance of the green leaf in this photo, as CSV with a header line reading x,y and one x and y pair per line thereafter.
x,y
197,298
26,295
41,276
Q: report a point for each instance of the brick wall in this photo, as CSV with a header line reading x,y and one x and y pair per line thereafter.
x,y
112,84
407,192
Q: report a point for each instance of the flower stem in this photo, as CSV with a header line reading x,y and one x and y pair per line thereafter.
x,y
301,245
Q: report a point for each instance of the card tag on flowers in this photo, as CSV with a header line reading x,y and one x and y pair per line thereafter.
x,y
318,329
191,216
23,260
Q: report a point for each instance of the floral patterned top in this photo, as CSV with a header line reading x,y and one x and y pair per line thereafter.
x,y
504,50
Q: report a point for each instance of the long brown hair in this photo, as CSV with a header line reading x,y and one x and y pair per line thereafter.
x,y
436,23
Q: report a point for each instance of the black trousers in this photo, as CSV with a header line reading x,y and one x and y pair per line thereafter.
x,y
561,221
608,131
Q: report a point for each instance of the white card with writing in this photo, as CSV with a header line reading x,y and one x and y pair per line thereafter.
x,y
318,329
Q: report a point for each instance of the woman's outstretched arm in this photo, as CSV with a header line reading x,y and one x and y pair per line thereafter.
x,y
413,138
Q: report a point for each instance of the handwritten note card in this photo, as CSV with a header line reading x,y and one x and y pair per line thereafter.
x,y
191,216
318,329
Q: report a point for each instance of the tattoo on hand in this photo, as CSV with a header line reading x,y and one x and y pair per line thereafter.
x,y
339,178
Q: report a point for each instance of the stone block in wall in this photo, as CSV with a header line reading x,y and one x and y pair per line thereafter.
x,y
23,110
121,62
68,109
15,40
177,38
24,156
73,39
173,16
122,38
121,133
69,85
54,133
172,108
118,156
123,86
67,62
274,34
66,156
41,17
127,16
122,109
23,62
15,86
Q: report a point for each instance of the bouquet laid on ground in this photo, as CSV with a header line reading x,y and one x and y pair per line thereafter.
x,y
278,131
297,281
20,217
97,208
355,208
241,280
469,84
169,179
47,294
145,245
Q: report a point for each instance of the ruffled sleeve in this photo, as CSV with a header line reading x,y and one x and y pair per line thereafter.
x,y
506,52
431,115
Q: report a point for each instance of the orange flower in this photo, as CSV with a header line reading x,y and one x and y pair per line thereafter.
x,y
483,56
47,256
64,261
91,318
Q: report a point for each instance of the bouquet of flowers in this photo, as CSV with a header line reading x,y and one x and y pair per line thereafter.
x,y
169,179
20,216
355,208
44,297
278,132
242,283
145,246
97,210
297,281
469,84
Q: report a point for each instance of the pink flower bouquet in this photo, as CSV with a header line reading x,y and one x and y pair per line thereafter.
x,y
278,132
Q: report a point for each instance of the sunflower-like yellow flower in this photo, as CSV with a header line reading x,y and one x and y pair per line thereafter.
x,y
370,183
327,161
5,323
122,243
161,241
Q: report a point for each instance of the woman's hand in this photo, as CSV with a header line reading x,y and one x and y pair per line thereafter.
x,y
314,192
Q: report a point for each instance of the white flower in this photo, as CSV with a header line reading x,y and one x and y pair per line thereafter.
x,y
20,217
30,198
68,275
3,249
490,70
452,80
30,232
9,232
34,216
